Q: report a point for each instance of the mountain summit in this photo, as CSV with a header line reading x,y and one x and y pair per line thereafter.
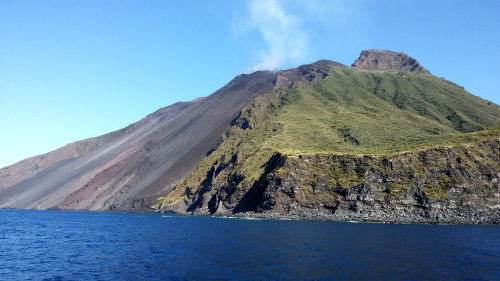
x,y
387,60
320,141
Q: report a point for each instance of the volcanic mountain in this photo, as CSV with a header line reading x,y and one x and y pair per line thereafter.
x,y
382,140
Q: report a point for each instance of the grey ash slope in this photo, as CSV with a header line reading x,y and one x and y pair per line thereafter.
x,y
127,169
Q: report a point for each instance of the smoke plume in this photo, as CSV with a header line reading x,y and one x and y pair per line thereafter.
x,y
285,38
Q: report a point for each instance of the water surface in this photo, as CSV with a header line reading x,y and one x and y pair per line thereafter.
x,y
56,245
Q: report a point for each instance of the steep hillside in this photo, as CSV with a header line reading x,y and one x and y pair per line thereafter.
x,y
128,169
330,138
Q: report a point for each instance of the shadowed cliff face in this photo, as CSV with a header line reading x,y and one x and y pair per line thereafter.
x,y
127,168
440,185
387,60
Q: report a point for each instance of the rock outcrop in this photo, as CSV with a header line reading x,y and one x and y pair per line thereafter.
x,y
306,74
387,60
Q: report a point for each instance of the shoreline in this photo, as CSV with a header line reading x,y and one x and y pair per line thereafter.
x,y
306,216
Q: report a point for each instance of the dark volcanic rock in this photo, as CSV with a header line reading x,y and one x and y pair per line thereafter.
x,y
306,74
387,60
439,185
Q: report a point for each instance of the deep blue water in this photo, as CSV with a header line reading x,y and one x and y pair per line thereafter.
x,y
55,245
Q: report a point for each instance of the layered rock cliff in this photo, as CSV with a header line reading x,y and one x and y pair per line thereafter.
x,y
458,184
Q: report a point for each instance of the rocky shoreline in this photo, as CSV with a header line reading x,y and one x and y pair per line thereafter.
x,y
424,217
362,213
414,215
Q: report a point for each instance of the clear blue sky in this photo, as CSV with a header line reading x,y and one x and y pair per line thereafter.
x,y
71,69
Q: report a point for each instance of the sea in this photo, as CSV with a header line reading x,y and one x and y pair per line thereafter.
x,y
64,245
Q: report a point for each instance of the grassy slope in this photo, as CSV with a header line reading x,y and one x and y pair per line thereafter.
x,y
350,112
373,112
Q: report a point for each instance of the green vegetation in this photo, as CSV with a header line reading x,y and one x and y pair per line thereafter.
x,y
351,112
439,191
158,202
373,112
396,190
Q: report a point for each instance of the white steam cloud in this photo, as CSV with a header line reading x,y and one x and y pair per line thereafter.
x,y
285,38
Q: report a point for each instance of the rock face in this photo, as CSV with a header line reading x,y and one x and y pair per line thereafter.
x,y
440,185
306,74
387,60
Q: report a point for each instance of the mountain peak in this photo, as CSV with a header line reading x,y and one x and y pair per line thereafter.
x,y
387,60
